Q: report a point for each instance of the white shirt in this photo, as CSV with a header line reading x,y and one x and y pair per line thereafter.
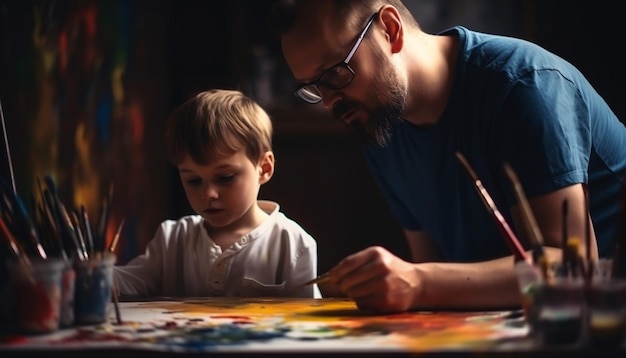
x,y
181,260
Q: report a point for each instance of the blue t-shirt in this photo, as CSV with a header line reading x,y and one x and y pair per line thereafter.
x,y
513,102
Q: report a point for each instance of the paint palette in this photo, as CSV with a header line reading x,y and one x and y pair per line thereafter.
x,y
281,324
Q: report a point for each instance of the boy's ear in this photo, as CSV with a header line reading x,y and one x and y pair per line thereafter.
x,y
267,167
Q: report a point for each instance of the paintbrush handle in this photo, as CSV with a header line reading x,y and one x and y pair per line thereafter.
x,y
618,269
86,226
323,278
514,244
7,149
512,241
116,305
529,219
527,213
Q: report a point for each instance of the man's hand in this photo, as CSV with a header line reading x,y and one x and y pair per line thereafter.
x,y
377,280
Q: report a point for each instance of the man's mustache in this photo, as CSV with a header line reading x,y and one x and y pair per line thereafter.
x,y
343,107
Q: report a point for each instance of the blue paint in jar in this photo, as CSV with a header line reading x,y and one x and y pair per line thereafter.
x,y
93,289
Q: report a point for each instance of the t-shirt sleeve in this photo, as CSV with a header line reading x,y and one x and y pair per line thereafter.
x,y
545,130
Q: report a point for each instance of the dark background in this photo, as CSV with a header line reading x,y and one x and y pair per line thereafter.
x,y
180,47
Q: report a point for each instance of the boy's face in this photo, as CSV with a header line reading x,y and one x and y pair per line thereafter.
x,y
224,191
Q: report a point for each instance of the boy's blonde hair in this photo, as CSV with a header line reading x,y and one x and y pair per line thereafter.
x,y
215,123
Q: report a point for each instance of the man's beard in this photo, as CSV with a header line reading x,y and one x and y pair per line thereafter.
x,y
377,128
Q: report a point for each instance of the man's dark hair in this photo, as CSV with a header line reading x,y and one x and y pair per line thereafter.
x,y
282,16
283,13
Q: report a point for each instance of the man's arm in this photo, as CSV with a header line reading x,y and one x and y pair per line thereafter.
x,y
378,280
493,283
548,214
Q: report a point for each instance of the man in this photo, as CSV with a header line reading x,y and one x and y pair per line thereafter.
x,y
419,99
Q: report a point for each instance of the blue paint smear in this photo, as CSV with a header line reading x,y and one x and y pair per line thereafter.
x,y
208,337
104,111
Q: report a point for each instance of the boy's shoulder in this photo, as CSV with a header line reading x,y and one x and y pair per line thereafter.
x,y
187,223
278,221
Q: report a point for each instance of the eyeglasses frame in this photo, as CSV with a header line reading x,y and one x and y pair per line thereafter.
x,y
345,63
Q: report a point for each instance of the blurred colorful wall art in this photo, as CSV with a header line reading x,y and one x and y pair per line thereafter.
x,y
84,89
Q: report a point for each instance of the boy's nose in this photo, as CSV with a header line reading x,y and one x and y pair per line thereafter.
x,y
210,193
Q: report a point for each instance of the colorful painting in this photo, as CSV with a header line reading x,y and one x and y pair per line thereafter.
x,y
284,325
84,91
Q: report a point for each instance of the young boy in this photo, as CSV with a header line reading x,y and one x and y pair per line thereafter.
x,y
236,245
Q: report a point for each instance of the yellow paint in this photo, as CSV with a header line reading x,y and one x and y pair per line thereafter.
x,y
86,178
417,331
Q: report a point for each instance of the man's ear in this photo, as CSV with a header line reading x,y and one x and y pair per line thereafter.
x,y
392,22
266,164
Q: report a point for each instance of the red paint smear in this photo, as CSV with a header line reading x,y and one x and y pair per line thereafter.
x,y
401,316
242,322
90,20
242,318
62,51
168,325
135,113
86,335
11,339
35,305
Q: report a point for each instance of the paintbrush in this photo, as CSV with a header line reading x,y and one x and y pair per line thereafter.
x,y
104,216
588,266
21,224
323,278
564,229
116,305
86,227
69,233
618,269
116,238
18,251
50,224
16,247
565,249
79,234
539,256
7,150
573,263
99,238
52,203
505,229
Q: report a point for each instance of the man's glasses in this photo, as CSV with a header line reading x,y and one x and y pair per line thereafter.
x,y
334,78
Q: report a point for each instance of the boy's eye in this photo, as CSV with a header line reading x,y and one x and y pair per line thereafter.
x,y
193,182
226,178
